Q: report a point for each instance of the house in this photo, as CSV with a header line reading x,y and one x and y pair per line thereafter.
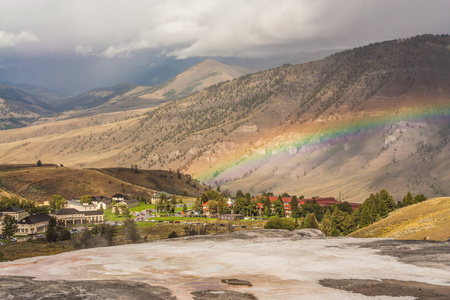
x,y
157,196
130,203
80,206
71,216
118,197
17,212
230,217
102,202
33,224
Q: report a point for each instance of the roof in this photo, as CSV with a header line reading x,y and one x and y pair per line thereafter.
x,y
100,198
14,209
117,196
130,201
157,195
92,212
34,219
67,211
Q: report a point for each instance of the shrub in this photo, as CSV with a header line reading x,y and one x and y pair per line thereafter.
x,y
172,235
280,223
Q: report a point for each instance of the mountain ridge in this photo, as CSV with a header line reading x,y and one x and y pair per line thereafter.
x,y
357,121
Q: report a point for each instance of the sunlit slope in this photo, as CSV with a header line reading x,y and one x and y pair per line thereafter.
x,y
371,118
41,183
426,220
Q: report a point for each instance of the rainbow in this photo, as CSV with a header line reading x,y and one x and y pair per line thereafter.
x,y
331,136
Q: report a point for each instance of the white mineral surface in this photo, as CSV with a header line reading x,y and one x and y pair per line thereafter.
x,y
278,268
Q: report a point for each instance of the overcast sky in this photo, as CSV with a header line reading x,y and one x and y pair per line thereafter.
x,y
100,32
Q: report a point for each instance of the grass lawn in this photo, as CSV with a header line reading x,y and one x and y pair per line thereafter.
x,y
142,206
109,216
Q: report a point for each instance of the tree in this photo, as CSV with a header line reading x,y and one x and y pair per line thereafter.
x,y
130,231
39,163
116,210
311,221
9,226
57,202
280,223
326,226
184,208
56,231
278,207
295,211
86,199
419,198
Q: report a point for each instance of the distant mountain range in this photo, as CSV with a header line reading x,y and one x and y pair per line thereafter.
x,y
24,104
345,126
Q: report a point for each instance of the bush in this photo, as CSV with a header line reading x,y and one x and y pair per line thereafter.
x,y
172,235
280,223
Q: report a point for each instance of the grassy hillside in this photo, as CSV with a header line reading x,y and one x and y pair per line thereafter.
x,y
40,183
161,180
426,220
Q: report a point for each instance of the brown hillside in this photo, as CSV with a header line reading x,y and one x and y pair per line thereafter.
x,y
243,134
40,183
426,220
160,180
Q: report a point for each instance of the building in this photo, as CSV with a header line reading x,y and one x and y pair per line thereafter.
x,y
17,212
71,216
34,224
102,202
76,204
118,197
157,196
230,217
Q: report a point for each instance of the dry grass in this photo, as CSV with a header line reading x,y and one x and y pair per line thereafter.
x,y
40,183
13,251
427,220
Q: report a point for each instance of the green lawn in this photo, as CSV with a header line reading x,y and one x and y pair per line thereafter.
x,y
109,216
142,206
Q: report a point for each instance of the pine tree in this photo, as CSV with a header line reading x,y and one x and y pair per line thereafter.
x,y
311,221
9,226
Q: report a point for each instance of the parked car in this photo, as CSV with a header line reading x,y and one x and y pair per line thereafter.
x,y
13,240
243,226
177,222
153,221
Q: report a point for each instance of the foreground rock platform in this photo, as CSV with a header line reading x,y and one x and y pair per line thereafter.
x,y
279,264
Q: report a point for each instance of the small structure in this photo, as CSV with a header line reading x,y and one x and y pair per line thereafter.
x,y
33,224
17,212
157,196
118,197
230,217
130,203
80,206
102,202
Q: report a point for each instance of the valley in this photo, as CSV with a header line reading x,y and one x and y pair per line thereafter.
x,y
358,121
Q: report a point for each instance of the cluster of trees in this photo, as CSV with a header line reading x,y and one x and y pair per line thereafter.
x,y
56,231
338,219
28,205
166,205
217,202
408,199
104,235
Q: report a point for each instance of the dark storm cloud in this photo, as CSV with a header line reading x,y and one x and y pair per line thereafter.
x,y
119,34
212,28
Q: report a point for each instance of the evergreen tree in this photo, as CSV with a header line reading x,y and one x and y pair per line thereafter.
x,y
408,199
295,211
278,207
326,225
419,198
9,226
311,221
